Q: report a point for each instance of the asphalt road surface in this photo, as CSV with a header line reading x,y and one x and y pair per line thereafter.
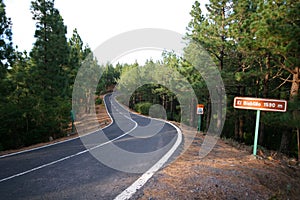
x,y
89,168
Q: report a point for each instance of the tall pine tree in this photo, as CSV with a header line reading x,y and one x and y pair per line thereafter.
x,y
51,51
76,57
49,58
6,57
6,48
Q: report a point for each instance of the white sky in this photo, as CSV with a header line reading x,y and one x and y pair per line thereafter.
x,y
99,20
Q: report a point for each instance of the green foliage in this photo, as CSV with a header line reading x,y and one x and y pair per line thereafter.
x,y
98,101
255,44
108,78
36,104
50,51
154,82
6,49
49,57
143,107
76,56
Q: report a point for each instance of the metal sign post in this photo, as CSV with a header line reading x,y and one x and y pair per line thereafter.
x,y
256,132
199,123
200,112
259,104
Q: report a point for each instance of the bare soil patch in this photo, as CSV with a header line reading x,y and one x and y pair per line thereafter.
x,y
227,172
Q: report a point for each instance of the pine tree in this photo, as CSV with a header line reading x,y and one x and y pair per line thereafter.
x,y
6,49
276,27
249,68
76,57
6,60
48,80
50,52
211,32
18,120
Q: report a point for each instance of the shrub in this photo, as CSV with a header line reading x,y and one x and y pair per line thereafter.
x,y
98,101
143,107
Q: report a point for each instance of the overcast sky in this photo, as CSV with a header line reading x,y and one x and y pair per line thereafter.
x,y
99,20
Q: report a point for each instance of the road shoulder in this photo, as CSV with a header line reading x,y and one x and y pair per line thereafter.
x,y
225,173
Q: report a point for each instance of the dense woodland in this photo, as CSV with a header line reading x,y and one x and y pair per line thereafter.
x,y
254,43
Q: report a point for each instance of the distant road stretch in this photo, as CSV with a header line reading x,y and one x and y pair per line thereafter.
x,y
69,170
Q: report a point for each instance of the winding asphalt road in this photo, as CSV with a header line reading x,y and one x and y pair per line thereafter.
x,y
69,170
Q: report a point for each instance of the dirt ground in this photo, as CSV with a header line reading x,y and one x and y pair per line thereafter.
x,y
227,172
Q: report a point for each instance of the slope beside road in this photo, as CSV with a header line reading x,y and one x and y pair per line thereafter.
x,y
229,171
68,171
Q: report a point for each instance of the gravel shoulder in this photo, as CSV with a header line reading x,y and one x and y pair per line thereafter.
x,y
227,172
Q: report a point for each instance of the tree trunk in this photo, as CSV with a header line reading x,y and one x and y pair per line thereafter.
x,y
223,39
298,142
208,113
284,142
295,84
241,128
220,108
293,95
241,117
236,125
261,131
193,121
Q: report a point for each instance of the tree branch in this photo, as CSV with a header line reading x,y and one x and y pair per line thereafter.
x,y
287,69
278,74
284,81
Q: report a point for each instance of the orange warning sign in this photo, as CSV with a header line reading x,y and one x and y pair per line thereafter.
x,y
200,108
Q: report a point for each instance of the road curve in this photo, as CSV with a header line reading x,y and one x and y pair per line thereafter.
x,y
70,170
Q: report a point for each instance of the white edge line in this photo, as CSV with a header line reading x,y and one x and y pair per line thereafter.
x,y
140,182
126,194
68,140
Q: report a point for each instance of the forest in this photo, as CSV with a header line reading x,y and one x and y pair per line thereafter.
x,y
255,45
